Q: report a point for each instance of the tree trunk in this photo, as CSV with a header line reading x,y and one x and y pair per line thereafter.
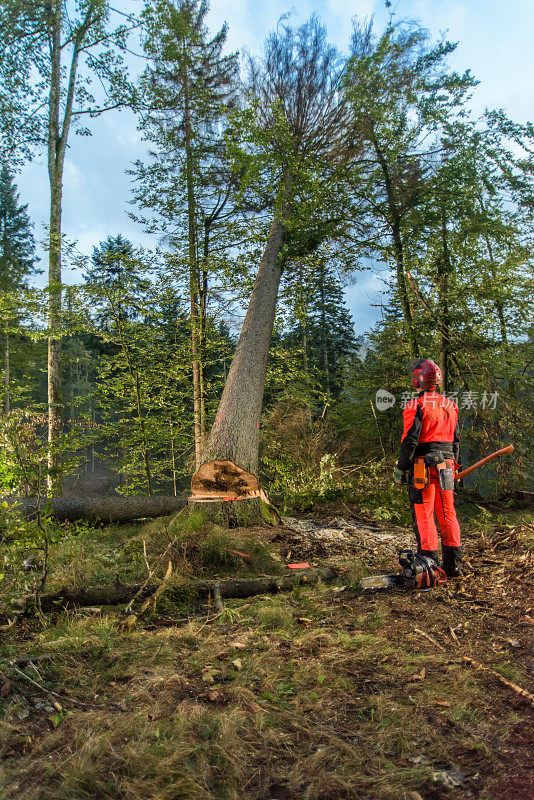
x,y
193,273
57,145
146,461
326,366
100,509
55,173
444,269
173,459
202,307
235,432
229,587
6,375
398,247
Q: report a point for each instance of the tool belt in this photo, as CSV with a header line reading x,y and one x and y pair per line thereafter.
x,y
421,470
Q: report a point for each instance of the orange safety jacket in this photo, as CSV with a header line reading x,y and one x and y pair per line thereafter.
x,y
430,424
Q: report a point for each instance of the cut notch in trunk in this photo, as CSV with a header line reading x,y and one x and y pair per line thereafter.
x,y
223,480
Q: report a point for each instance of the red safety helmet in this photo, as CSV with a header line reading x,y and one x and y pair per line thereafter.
x,y
426,373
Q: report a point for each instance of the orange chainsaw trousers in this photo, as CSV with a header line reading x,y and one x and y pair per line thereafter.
x,y
423,503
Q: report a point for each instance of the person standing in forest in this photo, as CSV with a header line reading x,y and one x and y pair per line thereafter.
x,y
428,458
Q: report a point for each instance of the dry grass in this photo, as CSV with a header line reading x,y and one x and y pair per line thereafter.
x,y
316,695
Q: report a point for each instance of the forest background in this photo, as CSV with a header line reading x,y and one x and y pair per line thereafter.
x,y
115,359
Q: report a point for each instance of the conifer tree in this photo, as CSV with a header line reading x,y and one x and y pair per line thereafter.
x,y
319,320
188,89
17,264
115,269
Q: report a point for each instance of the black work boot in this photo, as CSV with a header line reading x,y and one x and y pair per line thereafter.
x,y
452,561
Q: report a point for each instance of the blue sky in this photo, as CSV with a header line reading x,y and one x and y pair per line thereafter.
x,y
494,41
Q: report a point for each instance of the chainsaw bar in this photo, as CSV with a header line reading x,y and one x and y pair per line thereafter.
x,y
381,581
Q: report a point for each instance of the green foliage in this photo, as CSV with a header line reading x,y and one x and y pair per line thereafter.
x,y
8,477
371,159
296,453
85,35
23,450
24,553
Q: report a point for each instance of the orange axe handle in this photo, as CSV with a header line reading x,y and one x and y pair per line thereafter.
x,y
509,449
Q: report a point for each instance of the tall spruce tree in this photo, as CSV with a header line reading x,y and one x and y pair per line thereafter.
x,y
188,89
290,144
115,270
17,265
319,321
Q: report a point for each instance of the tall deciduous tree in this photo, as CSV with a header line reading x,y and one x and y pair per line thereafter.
x,y
52,54
401,96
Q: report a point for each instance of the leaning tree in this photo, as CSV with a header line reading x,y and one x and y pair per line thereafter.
x,y
289,146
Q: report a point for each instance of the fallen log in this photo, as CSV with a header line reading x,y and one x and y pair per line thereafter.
x,y
227,587
100,509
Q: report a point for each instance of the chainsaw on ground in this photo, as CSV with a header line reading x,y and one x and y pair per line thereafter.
x,y
418,572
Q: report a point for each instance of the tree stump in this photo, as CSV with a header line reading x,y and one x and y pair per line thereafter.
x,y
227,495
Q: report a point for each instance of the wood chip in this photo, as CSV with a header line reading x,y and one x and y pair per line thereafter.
x,y
430,639
419,676
453,635
439,701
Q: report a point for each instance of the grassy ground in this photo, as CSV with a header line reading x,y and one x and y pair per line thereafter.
x,y
321,694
